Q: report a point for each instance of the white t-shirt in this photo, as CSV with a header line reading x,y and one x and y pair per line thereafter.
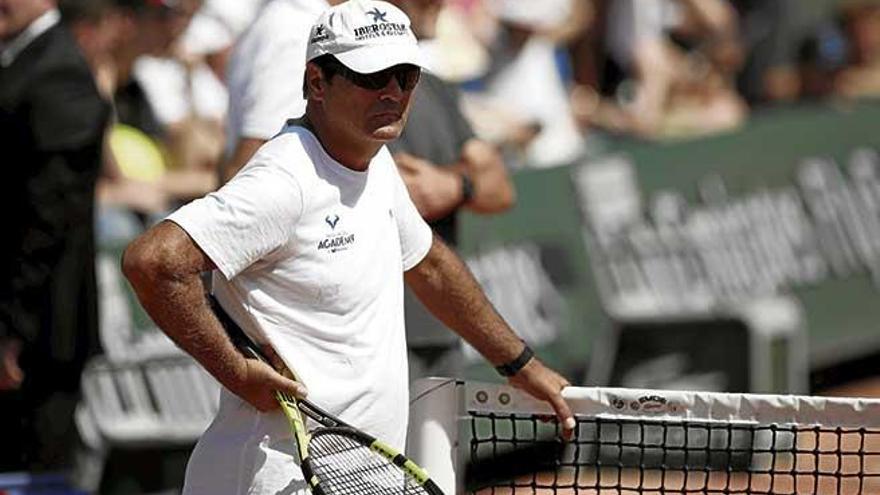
x,y
311,257
265,72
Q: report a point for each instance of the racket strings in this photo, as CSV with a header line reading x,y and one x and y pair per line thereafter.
x,y
345,466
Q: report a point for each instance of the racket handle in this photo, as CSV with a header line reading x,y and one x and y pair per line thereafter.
x,y
236,334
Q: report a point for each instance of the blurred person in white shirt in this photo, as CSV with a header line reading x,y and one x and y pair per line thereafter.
x,y
526,102
667,89
264,77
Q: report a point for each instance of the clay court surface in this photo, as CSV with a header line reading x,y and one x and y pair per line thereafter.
x,y
630,482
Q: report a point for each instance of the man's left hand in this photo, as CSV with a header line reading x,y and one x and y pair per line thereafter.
x,y
545,384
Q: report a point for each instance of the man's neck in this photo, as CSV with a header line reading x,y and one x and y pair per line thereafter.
x,y
351,153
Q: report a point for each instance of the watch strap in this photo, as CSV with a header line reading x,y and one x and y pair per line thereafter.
x,y
467,188
511,368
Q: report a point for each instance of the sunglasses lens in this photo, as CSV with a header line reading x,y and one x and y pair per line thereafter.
x,y
407,76
375,81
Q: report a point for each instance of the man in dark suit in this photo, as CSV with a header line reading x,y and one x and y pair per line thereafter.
x,y
51,125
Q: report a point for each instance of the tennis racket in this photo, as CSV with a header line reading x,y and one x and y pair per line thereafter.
x,y
335,457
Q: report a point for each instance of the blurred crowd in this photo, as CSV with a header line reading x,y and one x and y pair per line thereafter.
x,y
539,79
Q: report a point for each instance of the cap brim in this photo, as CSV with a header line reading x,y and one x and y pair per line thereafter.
x,y
369,59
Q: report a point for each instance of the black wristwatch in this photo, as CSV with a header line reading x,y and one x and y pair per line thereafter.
x,y
513,367
467,188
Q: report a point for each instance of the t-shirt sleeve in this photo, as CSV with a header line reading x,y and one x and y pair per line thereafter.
x,y
249,218
416,236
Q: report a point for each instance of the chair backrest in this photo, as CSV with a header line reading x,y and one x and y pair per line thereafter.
x,y
157,401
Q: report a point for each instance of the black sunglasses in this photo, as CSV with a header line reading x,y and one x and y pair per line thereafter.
x,y
407,75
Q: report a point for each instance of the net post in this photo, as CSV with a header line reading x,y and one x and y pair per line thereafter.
x,y
778,345
435,404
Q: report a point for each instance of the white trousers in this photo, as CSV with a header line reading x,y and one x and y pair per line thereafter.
x,y
244,452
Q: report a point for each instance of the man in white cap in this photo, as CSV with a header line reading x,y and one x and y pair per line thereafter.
x,y
310,246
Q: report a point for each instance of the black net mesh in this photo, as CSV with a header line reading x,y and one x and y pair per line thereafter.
x,y
346,466
522,454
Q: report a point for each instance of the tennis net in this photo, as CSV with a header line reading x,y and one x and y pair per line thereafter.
x,y
658,442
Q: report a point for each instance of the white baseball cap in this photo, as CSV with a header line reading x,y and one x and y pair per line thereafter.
x,y
367,36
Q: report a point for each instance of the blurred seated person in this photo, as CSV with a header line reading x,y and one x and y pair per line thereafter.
x,y
214,30
264,77
185,86
525,102
95,25
822,57
134,186
772,34
861,25
151,28
676,61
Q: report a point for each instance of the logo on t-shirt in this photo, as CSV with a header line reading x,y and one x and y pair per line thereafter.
x,y
335,241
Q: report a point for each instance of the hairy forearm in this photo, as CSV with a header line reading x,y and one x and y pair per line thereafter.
x,y
179,308
448,289
446,286
166,278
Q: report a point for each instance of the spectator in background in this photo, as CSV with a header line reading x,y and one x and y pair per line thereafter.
x,y
216,27
525,102
861,24
187,98
822,57
52,119
145,148
585,49
96,25
445,168
772,33
265,77
678,59
149,28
